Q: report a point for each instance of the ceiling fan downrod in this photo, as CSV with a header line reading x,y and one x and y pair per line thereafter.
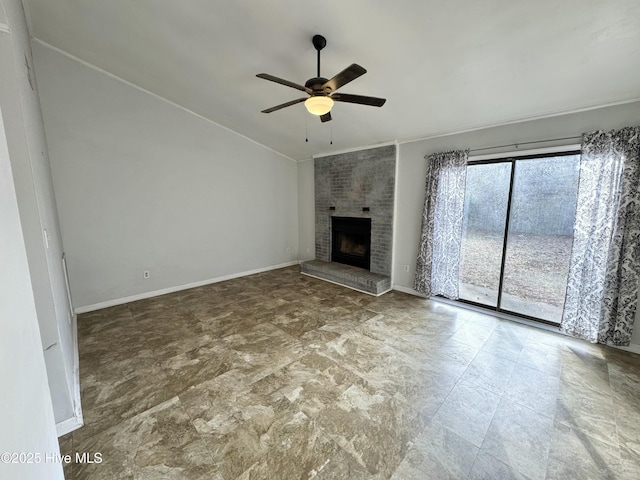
x,y
319,42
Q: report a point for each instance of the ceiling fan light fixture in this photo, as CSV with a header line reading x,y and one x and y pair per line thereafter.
x,y
318,105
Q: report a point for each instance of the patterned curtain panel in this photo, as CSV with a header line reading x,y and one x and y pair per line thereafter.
x,y
602,289
439,254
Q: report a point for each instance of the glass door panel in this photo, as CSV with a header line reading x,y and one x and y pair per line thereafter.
x,y
540,235
483,228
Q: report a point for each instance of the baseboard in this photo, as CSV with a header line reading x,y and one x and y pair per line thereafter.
x,y
408,290
633,348
164,291
68,425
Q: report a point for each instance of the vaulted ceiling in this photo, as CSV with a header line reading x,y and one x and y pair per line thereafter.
x,y
443,66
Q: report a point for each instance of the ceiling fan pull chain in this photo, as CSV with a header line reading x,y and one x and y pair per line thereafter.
x,y
331,142
306,129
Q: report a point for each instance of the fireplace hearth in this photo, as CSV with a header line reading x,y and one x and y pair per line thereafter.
x,y
351,241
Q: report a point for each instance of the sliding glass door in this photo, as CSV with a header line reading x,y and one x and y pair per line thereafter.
x,y
517,234
485,212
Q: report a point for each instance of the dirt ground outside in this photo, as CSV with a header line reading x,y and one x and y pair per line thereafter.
x,y
536,269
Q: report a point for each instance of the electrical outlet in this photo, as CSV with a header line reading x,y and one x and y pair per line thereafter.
x,y
146,274
308,250
406,268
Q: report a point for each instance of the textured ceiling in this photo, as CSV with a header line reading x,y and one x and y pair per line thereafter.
x,y
443,66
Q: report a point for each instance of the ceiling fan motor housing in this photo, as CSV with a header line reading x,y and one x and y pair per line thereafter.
x,y
316,84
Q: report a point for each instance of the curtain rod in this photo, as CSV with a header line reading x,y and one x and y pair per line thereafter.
x,y
525,143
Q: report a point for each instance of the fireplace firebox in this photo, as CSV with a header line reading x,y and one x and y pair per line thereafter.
x,y
351,241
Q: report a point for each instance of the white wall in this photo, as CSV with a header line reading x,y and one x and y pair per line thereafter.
x,y
38,212
307,211
26,417
143,184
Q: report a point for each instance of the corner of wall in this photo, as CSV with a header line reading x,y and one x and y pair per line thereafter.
x,y
36,202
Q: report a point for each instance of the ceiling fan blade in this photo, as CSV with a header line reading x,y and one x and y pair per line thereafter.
x,y
282,81
360,99
283,105
350,73
326,117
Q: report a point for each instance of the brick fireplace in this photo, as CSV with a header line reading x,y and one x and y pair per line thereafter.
x,y
357,185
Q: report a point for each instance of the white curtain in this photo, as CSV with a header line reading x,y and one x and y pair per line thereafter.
x,y
602,289
438,261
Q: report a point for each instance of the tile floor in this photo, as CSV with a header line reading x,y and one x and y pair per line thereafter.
x,y
282,376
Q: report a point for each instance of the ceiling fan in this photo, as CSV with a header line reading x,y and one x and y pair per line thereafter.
x,y
322,91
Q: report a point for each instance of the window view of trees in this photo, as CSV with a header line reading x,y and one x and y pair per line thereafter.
x,y
539,236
